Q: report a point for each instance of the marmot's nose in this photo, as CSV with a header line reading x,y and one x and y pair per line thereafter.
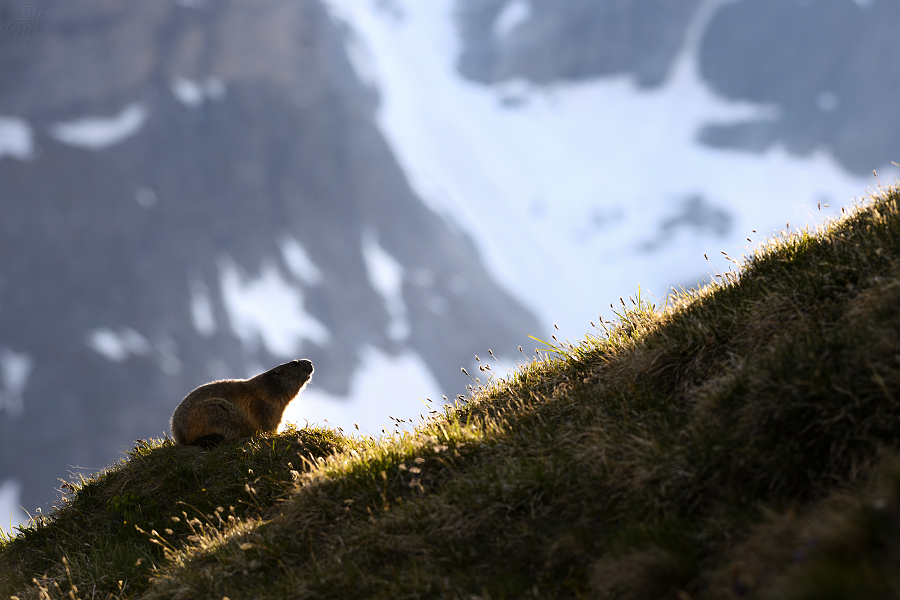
x,y
305,365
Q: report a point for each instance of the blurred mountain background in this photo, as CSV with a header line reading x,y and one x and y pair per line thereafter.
x,y
192,190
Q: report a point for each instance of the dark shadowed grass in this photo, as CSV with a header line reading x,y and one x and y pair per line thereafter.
x,y
740,441
110,531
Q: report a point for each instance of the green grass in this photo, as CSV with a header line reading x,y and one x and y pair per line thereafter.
x,y
111,530
739,441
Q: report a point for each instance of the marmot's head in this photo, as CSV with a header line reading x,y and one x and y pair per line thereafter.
x,y
285,381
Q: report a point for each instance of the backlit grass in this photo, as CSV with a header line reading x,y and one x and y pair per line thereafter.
x,y
739,441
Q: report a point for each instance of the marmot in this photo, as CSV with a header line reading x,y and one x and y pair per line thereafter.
x,y
231,409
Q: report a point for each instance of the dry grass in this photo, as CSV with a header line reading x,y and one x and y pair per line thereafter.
x,y
685,451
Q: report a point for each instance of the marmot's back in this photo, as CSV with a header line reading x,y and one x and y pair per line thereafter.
x,y
231,409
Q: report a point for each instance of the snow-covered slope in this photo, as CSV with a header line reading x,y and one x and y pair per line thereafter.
x,y
576,193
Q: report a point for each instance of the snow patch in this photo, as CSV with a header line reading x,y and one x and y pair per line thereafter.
x,y
381,386
15,368
97,133
193,93
269,309
11,515
527,184
146,198
187,92
386,277
167,355
16,138
513,14
118,346
828,101
202,309
298,261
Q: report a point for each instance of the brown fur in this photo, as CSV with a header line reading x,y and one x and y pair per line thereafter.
x,y
231,409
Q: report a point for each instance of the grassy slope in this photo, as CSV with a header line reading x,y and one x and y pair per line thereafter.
x,y
740,442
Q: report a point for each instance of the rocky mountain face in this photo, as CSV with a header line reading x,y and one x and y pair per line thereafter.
x,y
197,190
829,69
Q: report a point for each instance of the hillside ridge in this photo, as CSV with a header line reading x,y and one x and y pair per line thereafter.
x,y
738,441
